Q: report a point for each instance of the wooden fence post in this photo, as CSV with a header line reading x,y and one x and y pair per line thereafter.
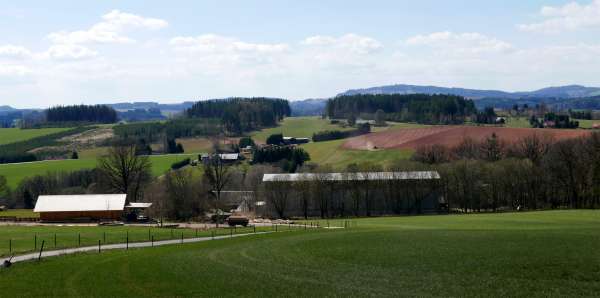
x,y
41,250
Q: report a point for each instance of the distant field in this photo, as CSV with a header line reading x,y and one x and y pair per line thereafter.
x,y
528,254
12,135
449,136
14,173
584,123
300,127
332,153
517,122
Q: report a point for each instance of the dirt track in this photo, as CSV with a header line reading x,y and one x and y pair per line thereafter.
x,y
412,138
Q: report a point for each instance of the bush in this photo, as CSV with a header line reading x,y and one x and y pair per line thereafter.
x,y
180,164
245,142
275,139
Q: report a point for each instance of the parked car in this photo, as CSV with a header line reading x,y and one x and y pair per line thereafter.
x,y
233,221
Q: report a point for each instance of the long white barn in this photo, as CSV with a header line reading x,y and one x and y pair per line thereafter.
x,y
359,176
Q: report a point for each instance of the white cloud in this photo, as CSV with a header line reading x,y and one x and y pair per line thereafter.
x,y
350,42
460,43
15,52
69,52
110,30
216,43
570,16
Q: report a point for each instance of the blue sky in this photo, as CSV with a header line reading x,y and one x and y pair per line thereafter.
x,y
67,52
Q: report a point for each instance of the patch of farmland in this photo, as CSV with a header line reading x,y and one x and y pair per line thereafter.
x,y
413,138
13,135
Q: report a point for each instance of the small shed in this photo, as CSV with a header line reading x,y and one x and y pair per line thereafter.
x,y
80,207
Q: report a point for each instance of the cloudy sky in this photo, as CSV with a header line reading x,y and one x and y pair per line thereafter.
x,y
69,52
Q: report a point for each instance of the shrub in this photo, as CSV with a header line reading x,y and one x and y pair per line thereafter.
x,y
180,164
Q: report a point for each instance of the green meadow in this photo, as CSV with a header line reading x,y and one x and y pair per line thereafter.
x,y
13,135
14,173
530,254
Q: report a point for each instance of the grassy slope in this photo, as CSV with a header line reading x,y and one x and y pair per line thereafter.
x,y
527,254
12,135
300,127
14,173
330,152
23,238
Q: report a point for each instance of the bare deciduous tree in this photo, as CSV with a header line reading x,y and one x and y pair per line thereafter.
x,y
124,171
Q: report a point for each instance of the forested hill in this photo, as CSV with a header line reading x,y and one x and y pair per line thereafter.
x,y
82,113
570,91
242,114
308,107
421,108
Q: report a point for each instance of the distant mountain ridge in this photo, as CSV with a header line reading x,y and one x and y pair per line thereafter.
x,y
308,107
563,92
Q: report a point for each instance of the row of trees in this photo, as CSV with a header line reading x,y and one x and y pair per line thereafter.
x,y
534,172
82,113
438,108
239,115
328,135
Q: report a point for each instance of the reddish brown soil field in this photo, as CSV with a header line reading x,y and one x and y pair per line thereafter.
x,y
412,138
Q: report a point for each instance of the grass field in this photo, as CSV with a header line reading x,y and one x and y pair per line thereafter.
x,y
299,127
583,123
536,254
23,239
331,153
14,173
12,135
21,213
517,122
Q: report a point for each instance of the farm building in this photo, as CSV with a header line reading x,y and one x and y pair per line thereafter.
x,y
361,193
80,207
359,176
225,157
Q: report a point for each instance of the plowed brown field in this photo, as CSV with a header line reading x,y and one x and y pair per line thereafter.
x,y
412,138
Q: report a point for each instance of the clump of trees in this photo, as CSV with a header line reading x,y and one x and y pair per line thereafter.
x,y
176,128
82,113
289,157
239,115
422,108
55,183
329,135
553,120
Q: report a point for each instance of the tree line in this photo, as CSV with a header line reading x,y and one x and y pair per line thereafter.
x,y
422,108
535,172
82,113
240,115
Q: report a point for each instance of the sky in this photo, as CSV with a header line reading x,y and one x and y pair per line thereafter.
x,y
73,52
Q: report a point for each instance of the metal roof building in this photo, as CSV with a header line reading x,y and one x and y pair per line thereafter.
x,y
359,176
80,207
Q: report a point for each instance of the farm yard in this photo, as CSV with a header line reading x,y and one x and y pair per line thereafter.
x,y
534,254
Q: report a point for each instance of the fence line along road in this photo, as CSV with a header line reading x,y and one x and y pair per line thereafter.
x,y
67,251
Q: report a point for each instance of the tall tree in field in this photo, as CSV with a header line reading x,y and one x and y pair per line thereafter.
x,y
125,171
217,173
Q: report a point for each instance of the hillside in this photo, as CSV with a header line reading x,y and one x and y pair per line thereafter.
x,y
570,91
